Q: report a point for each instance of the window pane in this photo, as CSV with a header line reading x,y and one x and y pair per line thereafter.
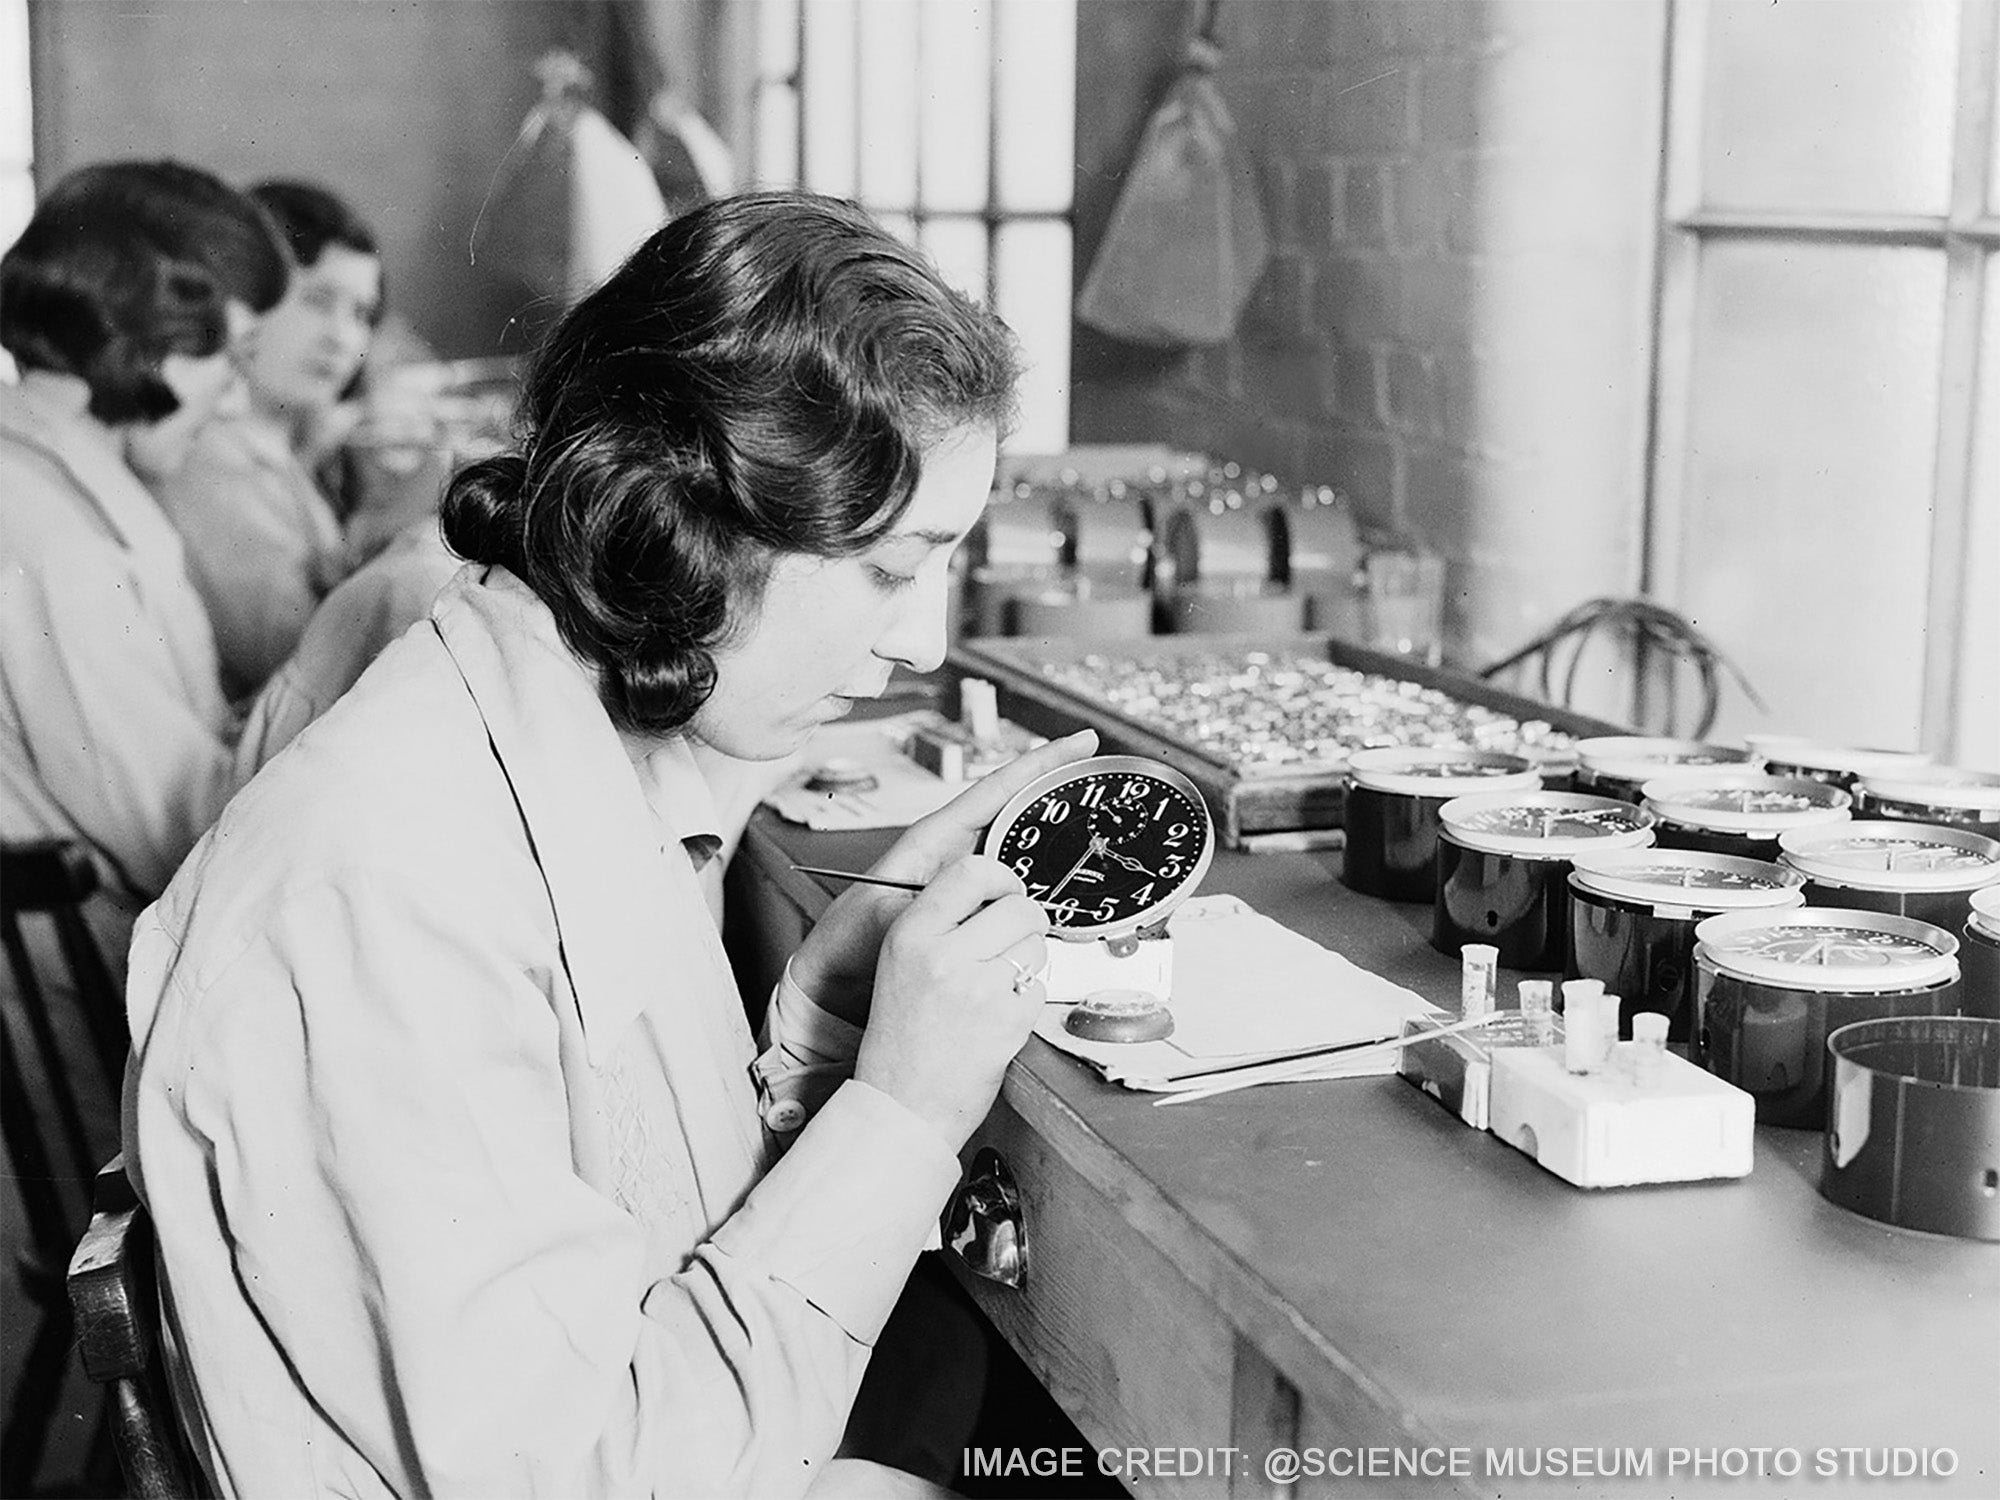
x,y
1978,741
1830,105
957,87
829,103
1034,123
1811,454
889,103
1031,277
959,248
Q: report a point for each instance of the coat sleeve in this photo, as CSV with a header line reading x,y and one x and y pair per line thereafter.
x,y
386,1123
259,574
133,761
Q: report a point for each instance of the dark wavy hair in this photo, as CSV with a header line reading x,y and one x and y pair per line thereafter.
x,y
125,263
311,217
763,376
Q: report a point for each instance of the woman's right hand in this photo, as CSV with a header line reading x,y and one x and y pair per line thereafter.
x,y
950,1009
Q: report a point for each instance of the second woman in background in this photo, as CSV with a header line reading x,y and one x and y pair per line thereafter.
x,y
264,544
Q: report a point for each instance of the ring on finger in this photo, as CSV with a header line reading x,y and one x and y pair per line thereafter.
x,y
1024,977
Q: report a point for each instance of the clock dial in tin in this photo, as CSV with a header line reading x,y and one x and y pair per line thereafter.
x,y
1107,844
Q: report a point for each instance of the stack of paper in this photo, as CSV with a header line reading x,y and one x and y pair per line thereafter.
x,y
1248,990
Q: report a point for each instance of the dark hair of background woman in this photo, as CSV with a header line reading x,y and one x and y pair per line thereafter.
x,y
125,263
762,376
311,217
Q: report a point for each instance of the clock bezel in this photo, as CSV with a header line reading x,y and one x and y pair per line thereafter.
x,y
1155,912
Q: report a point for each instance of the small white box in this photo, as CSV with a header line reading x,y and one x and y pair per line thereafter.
x,y
1611,1128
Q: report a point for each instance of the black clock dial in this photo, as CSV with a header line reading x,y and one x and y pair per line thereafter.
x,y
1107,844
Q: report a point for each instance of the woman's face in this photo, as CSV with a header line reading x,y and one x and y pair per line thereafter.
x,y
312,342
206,385
828,631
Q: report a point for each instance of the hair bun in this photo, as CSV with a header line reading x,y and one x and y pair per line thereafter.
x,y
482,510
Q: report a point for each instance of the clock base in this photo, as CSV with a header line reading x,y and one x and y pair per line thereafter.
x,y
1078,970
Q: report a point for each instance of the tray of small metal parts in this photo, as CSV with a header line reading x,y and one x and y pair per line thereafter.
x,y
1263,726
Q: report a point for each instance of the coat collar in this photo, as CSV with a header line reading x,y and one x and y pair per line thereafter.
x,y
51,414
630,913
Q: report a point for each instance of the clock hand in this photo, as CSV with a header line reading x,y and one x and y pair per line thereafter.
x,y
1097,846
1128,862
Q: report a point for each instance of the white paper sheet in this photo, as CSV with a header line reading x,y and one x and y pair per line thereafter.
x,y
1248,988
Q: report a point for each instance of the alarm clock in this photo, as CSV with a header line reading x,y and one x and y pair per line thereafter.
x,y
1109,846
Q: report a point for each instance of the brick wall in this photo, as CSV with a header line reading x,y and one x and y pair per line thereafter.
x,y
1455,326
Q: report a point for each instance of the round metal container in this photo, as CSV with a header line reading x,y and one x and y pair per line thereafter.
x,y
1839,765
1390,816
1619,765
1633,915
1906,869
1771,985
1913,1129
1503,868
1940,794
1979,958
1738,812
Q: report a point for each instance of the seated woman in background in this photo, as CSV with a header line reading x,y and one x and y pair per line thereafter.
x,y
126,304
465,1167
263,541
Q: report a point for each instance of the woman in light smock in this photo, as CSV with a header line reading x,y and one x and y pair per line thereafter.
x,y
126,304
468,1175
263,541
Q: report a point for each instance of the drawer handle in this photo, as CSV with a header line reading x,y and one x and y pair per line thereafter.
x,y
984,1225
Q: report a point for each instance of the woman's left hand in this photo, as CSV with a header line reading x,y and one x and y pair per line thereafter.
x,y
836,962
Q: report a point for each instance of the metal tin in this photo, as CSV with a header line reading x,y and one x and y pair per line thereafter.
x,y
1771,985
1503,868
1393,797
1633,916
1619,765
1913,1129
1738,812
1906,869
1838,765
1940,794
1979,957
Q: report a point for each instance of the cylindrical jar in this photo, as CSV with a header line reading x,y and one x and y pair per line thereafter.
x,y
1738,812
1979,958
1838,765
1906,869
1944,795
1770,985
1390,817
1633,916
1619,765
1503,868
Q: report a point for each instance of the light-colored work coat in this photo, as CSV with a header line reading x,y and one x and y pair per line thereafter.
x,y
443,1106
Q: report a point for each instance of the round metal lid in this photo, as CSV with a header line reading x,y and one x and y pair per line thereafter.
x,y
1638,757
1940,786
1986,912
1414,771
1846,760
1745,801
1828,949
1544,825
1894,856
1687,879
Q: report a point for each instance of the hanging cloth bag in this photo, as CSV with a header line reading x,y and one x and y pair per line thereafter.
x,y
1186,242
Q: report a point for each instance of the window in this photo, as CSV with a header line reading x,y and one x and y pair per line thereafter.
x,y
17,133
1826,496
953,121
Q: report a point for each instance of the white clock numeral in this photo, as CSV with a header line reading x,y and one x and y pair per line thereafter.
x,y
1135,790
1176,832
1055,810
1144,894
1092,795
1024,867
1028,835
